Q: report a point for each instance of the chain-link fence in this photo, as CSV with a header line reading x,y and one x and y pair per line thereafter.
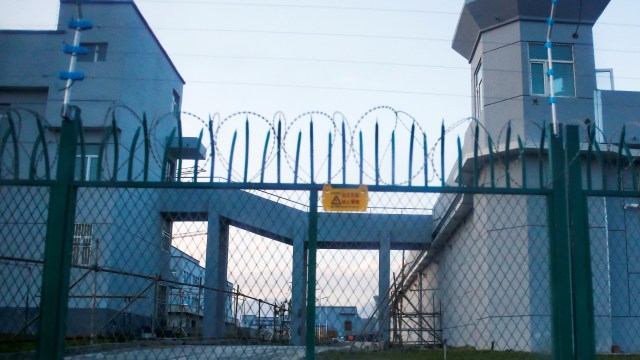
x,y
221,273
125,262
23,215
614,223
482,288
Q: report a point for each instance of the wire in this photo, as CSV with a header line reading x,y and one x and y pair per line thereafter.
x,y
575,33
297,6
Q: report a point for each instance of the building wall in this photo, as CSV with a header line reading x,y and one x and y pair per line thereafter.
x,y
504,54
495,266
136,77
335,317
615,109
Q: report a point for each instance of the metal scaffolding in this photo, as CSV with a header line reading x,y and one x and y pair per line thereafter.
x,y
415,314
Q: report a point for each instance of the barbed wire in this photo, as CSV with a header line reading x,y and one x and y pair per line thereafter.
x,y
400,122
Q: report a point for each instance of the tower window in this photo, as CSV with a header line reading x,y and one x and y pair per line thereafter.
x,y
563,70
97,52
478,93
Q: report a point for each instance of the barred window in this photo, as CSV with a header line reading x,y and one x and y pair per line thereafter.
x,y
82,241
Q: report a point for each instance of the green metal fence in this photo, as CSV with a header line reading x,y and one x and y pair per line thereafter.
x,y
128,249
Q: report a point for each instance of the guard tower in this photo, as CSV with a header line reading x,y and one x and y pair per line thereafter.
x,y
504,42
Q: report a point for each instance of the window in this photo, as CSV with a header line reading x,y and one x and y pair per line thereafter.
x,y
478,94
82,237
166,233
91,163
563,72
170,170
97,52
347,325
175,104
604,79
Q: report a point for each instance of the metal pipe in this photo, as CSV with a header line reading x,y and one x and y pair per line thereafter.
x,y
413,130
312,175
116,145
295,170
548,45
195,164
213,150
329,165
264,156
376,156
72,65
246,150
361,157
476,136
393,157
233,146
279,146
132,152
442,153
147,146
426,162
344,155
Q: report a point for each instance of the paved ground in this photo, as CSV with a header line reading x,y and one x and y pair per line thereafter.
x,y
218,352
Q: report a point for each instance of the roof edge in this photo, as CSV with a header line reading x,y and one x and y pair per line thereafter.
x,y
144,21
29,31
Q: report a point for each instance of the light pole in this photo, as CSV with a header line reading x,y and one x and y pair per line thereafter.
x,y
324,310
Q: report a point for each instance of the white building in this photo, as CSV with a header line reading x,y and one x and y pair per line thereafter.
x,y
186,296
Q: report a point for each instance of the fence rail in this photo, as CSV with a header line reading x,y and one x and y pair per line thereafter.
x,y
117,244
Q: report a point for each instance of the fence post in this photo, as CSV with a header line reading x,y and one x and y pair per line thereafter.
x,y
583,317
559,251
58,246
311,273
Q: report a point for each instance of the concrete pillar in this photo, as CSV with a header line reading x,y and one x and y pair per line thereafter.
x,y
384,259
299,289
215,277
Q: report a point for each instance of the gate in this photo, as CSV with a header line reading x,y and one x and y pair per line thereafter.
x,y
144,246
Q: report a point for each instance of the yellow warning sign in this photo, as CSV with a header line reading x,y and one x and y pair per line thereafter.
x,y
345,199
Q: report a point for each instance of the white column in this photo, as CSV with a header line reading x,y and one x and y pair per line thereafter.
x,y
299,289
215,277
384,259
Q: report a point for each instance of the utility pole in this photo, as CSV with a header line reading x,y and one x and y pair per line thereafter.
x,y
71,75
237,318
